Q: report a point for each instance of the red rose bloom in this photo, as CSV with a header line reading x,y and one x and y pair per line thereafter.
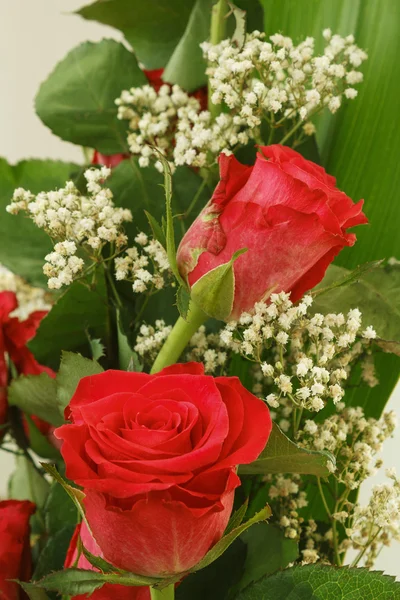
x,y
14,335
157,457
15,553
108,591
288,213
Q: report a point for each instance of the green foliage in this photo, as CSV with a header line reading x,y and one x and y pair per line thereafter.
x,y
59,510
224,543
321,582
72,368
52,556
376,293
33,592
78,310
281,455
36,395
141,191
22,244
268,551
186,67
39,442
77,100
153,31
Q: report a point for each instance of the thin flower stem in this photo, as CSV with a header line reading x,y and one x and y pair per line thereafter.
x,y
291,132
112,287
324,502
167,593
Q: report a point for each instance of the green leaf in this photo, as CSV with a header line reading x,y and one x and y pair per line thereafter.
x,y
237,517
182,301
36,395
281,455
97,348
268,551
52,556
228,539
99,562
27,484
214,292
125,352
153,31
239,35
75,494
72,368
39,442
77,311
333,280
156,229
186,67
322,582
77,100
59,510
33,592
18,233
376,293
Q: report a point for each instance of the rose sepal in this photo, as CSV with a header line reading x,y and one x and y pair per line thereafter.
x,y
214,292
81,581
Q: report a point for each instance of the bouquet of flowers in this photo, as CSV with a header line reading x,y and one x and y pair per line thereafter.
x,y
193,375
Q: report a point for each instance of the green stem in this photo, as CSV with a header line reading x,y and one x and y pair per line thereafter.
x,y
291,132
217,33
179,337
167,593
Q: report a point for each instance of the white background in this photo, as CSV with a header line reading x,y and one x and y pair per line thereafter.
x,y
34,36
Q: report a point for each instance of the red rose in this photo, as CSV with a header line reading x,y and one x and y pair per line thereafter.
x,y
108,591
14,335
15,552
108,160
286,211
157,457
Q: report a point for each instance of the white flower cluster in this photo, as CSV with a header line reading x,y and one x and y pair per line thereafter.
x,y
305,358
353,439
206,348
74,222
153,119
377,523
134,266
263,78
287,500
274,80
29,298
151,339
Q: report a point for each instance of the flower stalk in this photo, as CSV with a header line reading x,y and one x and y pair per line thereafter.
x,y
179,337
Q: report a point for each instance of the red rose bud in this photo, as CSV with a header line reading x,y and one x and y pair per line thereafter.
x,y
109,591
15,552
156,456
289,215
